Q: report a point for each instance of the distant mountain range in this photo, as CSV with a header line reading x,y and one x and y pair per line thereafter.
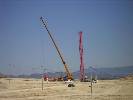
x,y
110,73
101,73
2,75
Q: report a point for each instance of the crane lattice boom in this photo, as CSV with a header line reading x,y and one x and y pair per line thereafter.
x,y
69,75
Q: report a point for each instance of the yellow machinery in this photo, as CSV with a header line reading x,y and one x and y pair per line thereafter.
x,y
68,73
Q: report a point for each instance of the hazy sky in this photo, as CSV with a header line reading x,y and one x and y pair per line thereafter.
x,y
107,27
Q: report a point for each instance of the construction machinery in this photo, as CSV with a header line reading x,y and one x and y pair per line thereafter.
x,y
82,76
68,73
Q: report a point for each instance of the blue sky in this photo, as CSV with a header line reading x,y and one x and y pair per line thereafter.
x,y
107,27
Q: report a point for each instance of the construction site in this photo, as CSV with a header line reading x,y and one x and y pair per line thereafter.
x,y
66,49
66,87
31,89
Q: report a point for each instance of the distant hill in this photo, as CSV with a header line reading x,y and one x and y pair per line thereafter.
x,y
110,73
2,75
128,77
38,75
106,73
102,73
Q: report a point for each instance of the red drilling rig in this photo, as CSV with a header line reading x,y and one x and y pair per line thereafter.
x,y
81,58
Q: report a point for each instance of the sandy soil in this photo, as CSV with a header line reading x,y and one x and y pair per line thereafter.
x,y
31,89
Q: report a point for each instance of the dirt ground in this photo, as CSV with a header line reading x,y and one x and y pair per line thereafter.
x,y
31,89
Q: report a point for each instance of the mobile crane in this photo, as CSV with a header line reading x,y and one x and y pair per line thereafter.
x,y
69,76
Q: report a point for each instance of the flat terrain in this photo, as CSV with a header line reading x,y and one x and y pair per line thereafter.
x,y
31,89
